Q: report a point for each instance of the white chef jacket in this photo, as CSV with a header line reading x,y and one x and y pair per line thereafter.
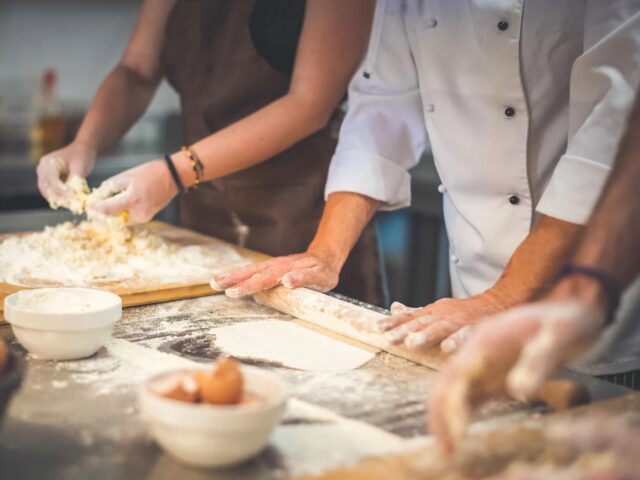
x,y
500,86
524,103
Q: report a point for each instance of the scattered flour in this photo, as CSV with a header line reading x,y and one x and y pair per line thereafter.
x,y
290,344
103,253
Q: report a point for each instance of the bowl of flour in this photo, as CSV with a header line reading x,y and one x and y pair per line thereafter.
x,y
62,323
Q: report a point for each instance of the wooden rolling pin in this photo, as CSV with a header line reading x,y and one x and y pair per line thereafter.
x,y
562,394
350,320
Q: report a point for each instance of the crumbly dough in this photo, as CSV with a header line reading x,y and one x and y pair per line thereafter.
x,y
103,252
81,195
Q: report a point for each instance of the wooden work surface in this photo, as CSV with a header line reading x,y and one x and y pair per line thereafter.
x,y
336,316
149,294
488,451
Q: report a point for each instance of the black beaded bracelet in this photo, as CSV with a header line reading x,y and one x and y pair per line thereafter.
x,y
174,172
609,284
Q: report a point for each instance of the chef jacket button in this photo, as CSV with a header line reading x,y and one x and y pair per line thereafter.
x,y
514,199
429,107
441,188
432,22
510,112
454,258
503,25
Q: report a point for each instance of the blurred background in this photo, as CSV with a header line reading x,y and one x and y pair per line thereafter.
x,y
54,54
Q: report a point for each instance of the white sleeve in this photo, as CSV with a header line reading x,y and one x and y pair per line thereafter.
x,y
604,80
383,133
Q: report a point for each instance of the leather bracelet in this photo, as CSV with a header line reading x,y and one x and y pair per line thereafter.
x,y
607,282
174,173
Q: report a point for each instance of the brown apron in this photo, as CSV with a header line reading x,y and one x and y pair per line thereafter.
x,y
274,207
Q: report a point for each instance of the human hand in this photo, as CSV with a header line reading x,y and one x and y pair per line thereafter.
x,y
142,192
512,353
446,322
311,269
56,168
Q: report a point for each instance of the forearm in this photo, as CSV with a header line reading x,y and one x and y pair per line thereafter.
x,y
121,99
610,241
535,262
255,138
345,216
612,236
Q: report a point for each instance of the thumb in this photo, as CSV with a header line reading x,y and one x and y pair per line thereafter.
x,y
397,307
117,203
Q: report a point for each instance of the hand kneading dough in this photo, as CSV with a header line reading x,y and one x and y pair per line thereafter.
x,y
289,344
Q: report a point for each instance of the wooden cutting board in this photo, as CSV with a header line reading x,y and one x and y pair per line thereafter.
x,y
149,294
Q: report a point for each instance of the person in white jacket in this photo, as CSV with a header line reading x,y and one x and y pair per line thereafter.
x,y
545,335
524,103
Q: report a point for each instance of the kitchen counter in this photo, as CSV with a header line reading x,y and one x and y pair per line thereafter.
x,y
79,419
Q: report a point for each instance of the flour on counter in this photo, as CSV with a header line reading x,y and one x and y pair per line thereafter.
x,y
289,344
102,252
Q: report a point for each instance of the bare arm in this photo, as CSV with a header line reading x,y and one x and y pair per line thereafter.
x,y
332,43
127,91
536,261
529,272
121,99
611,238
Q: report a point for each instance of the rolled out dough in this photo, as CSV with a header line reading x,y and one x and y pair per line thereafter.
x,y
290,344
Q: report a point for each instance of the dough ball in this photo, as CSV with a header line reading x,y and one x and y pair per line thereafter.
x,y
4,356
222,386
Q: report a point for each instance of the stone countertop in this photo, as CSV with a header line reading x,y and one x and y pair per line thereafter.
x,y
79,419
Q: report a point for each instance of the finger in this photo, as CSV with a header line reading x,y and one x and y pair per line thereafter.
x,y
537,361
260,281
432,335
397,308
393,321
316,278
279,266
50,183
227,280
116,205
454,341
400,333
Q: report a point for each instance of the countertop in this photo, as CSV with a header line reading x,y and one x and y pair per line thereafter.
x,y
79,419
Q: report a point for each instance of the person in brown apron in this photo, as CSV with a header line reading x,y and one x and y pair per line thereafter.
x,y
228,59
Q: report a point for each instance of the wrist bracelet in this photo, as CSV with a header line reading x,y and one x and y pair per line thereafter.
x,y
174,173
196,165
607,282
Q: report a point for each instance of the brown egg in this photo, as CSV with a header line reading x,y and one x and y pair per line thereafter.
x,y
222,386
181,386
4,356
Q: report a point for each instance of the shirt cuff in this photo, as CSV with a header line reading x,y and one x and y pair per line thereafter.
x,y
574,189
370,175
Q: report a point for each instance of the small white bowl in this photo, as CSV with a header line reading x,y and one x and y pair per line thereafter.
x,y
208,436
65,332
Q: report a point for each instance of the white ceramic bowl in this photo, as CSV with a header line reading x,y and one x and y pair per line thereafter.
x,y
66,332
208,436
